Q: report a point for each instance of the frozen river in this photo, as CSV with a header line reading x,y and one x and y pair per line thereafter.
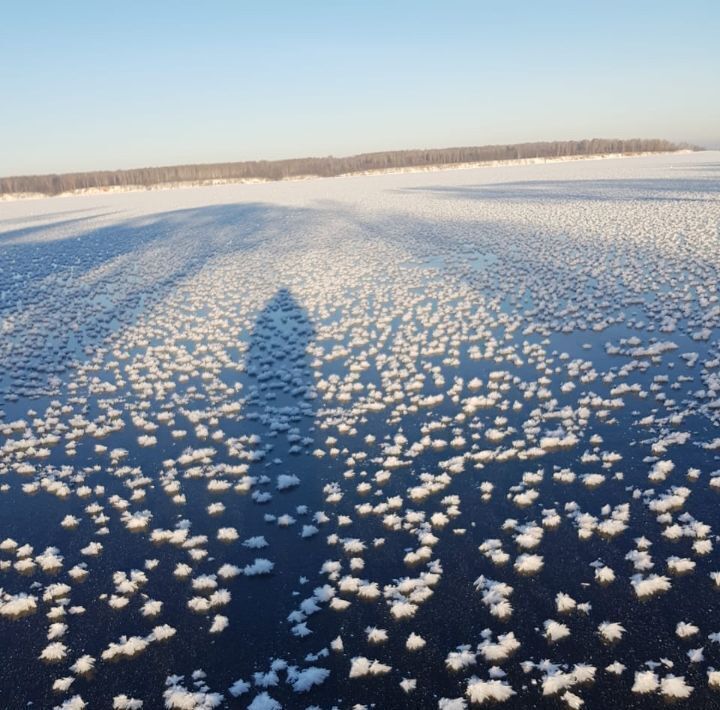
x,y
430,440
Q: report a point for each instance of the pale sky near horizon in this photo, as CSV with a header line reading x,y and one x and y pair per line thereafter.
x,y
94,85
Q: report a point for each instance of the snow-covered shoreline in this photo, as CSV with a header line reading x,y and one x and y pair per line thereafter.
x,y
390,171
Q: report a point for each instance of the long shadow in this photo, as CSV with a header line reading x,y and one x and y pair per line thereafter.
x,y
621,190
278,414
61,298
280,388
46,216
13,235
85,250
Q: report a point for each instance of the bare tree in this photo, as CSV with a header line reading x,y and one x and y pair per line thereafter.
x,y
328,166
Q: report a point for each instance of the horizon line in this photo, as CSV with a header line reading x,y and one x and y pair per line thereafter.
x,y
681,145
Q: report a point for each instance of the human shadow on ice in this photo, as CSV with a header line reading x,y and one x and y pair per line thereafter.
x,y
62,296
280,385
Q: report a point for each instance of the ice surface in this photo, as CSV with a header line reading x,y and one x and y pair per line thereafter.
x,y
446,439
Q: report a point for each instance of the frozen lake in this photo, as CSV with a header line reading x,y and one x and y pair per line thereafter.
x,y
432,440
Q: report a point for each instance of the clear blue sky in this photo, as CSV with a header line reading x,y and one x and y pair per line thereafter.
x,y
88,85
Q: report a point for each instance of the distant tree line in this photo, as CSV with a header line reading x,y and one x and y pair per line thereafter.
x,y
326,167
